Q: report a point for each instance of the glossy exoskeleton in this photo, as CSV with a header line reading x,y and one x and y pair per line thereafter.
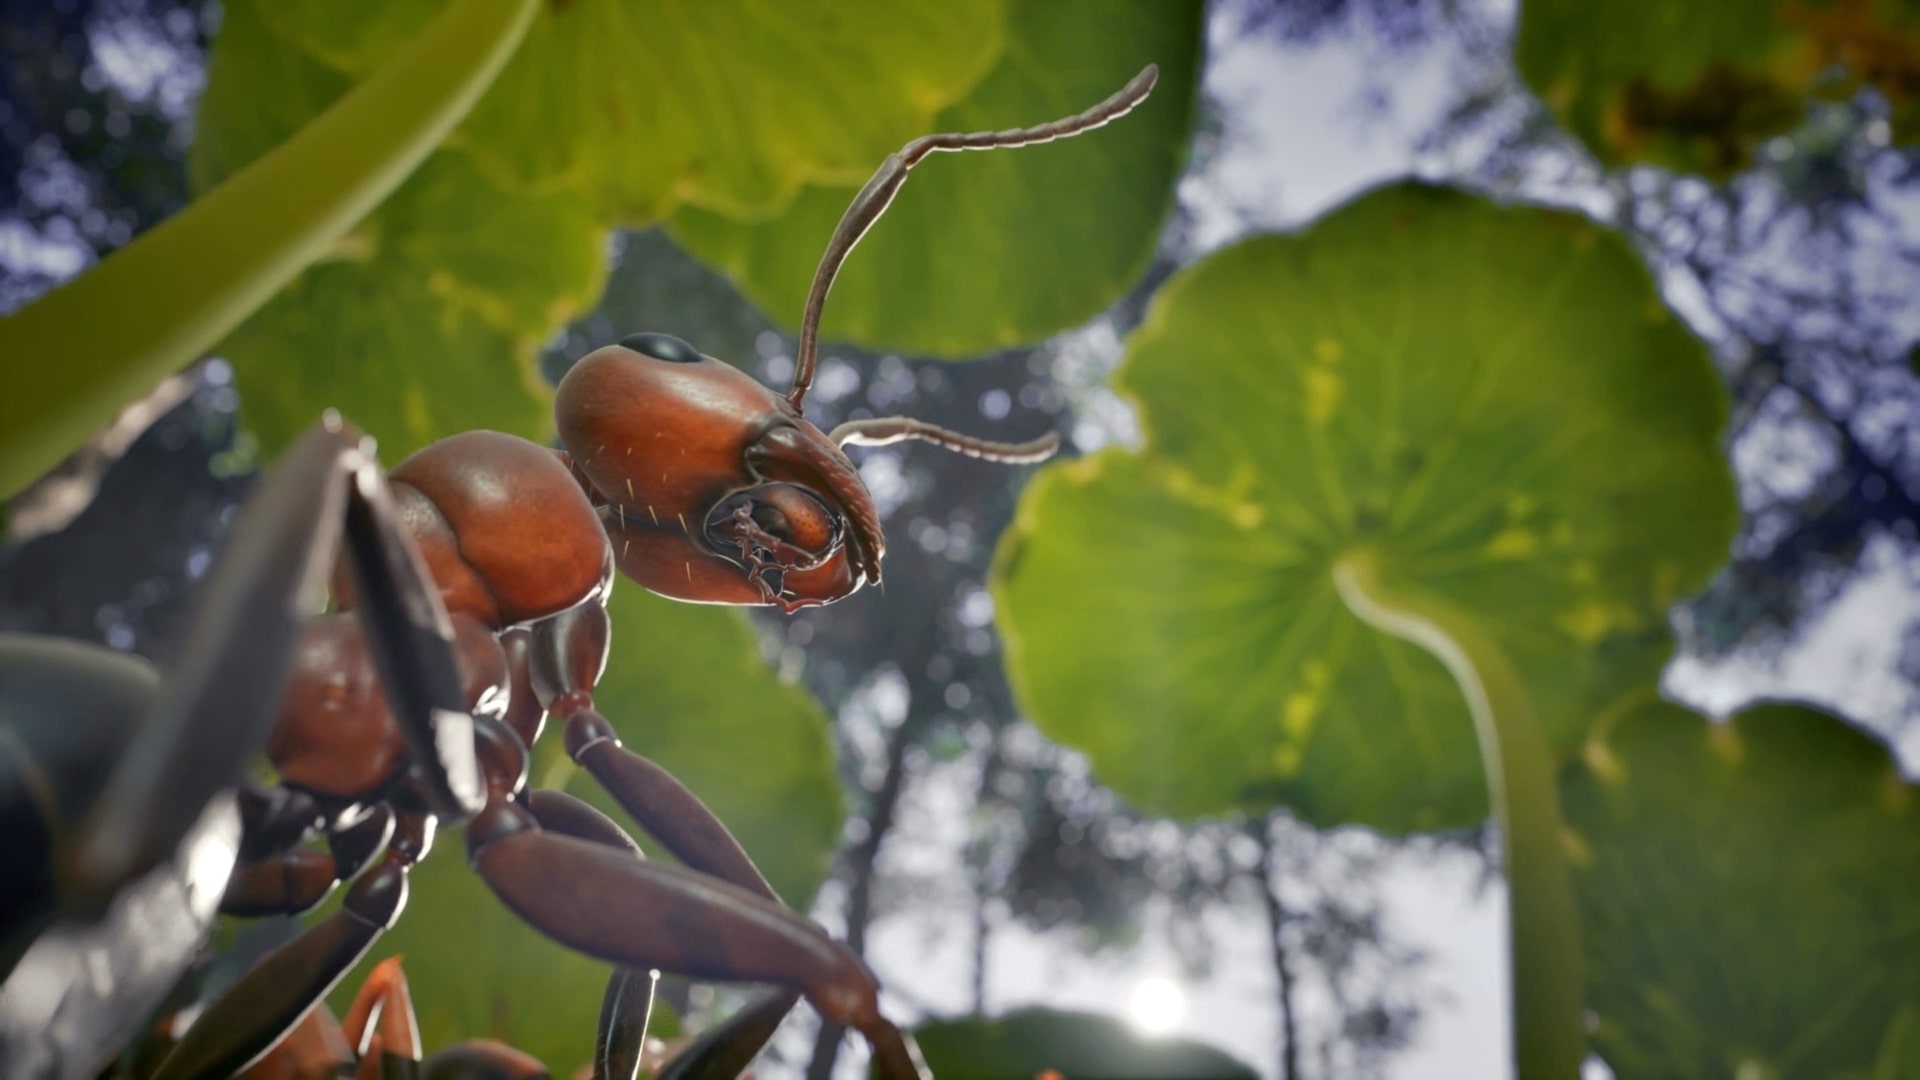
x,y
471,610
116,783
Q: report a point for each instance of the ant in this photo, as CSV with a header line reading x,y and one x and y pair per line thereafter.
x,y
470,607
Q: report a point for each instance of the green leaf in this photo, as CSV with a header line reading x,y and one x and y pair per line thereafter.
x,y
1029,1042
429,320
975,254
164,300
684,687
727,104
1488,403
237,123
1699,86
1747,894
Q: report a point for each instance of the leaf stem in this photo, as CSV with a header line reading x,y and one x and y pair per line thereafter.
x,y
1547,966
78,355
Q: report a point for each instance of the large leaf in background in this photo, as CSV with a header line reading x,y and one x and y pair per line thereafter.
x,y
982,252
429,318
684,687
1032,1041
727,104
1747,891
238,120
1491,403
1698,86
433,325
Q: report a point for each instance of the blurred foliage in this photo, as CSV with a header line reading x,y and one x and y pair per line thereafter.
x,y
730,105
981,255
1029,1042
1699,87
85,160
1494,402
1746,889
426,318
421,324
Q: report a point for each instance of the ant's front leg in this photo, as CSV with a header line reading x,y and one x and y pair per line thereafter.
x,y
569,653
255,1012
723,1051
627,1006
606,903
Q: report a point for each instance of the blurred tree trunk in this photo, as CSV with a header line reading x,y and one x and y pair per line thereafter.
x,y
861,859
1277,918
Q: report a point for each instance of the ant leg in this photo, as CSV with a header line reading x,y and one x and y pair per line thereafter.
x,y
646,914
684,825
315,1047
381,1026
569,653
273,819
484,1059
294,880
723,1051
217,703
273,873
255,1012
627,1006
291,883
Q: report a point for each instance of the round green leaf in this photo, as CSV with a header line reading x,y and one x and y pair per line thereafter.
x,y
1747,894
685,687
1029,1042
1490,403
982,254
238,120
1699,86
429,316
431,319
727,104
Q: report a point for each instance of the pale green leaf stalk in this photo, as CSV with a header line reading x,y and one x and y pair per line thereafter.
x,y
1544,953
77,356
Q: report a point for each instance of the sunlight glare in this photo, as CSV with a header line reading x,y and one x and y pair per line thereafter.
x,y
1157,1005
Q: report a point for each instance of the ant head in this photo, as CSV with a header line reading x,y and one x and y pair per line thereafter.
x,y
718,490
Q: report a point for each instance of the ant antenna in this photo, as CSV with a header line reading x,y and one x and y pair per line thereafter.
x,y
893,429
873,201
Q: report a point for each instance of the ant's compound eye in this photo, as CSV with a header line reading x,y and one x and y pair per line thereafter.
x,y
662,347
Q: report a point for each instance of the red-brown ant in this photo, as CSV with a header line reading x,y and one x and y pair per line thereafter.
x,y
472,598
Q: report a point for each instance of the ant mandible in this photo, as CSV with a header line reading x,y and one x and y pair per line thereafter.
x,y
415,703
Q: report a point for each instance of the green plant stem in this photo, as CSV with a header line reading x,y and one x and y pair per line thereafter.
x,y
1547,966
73,359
